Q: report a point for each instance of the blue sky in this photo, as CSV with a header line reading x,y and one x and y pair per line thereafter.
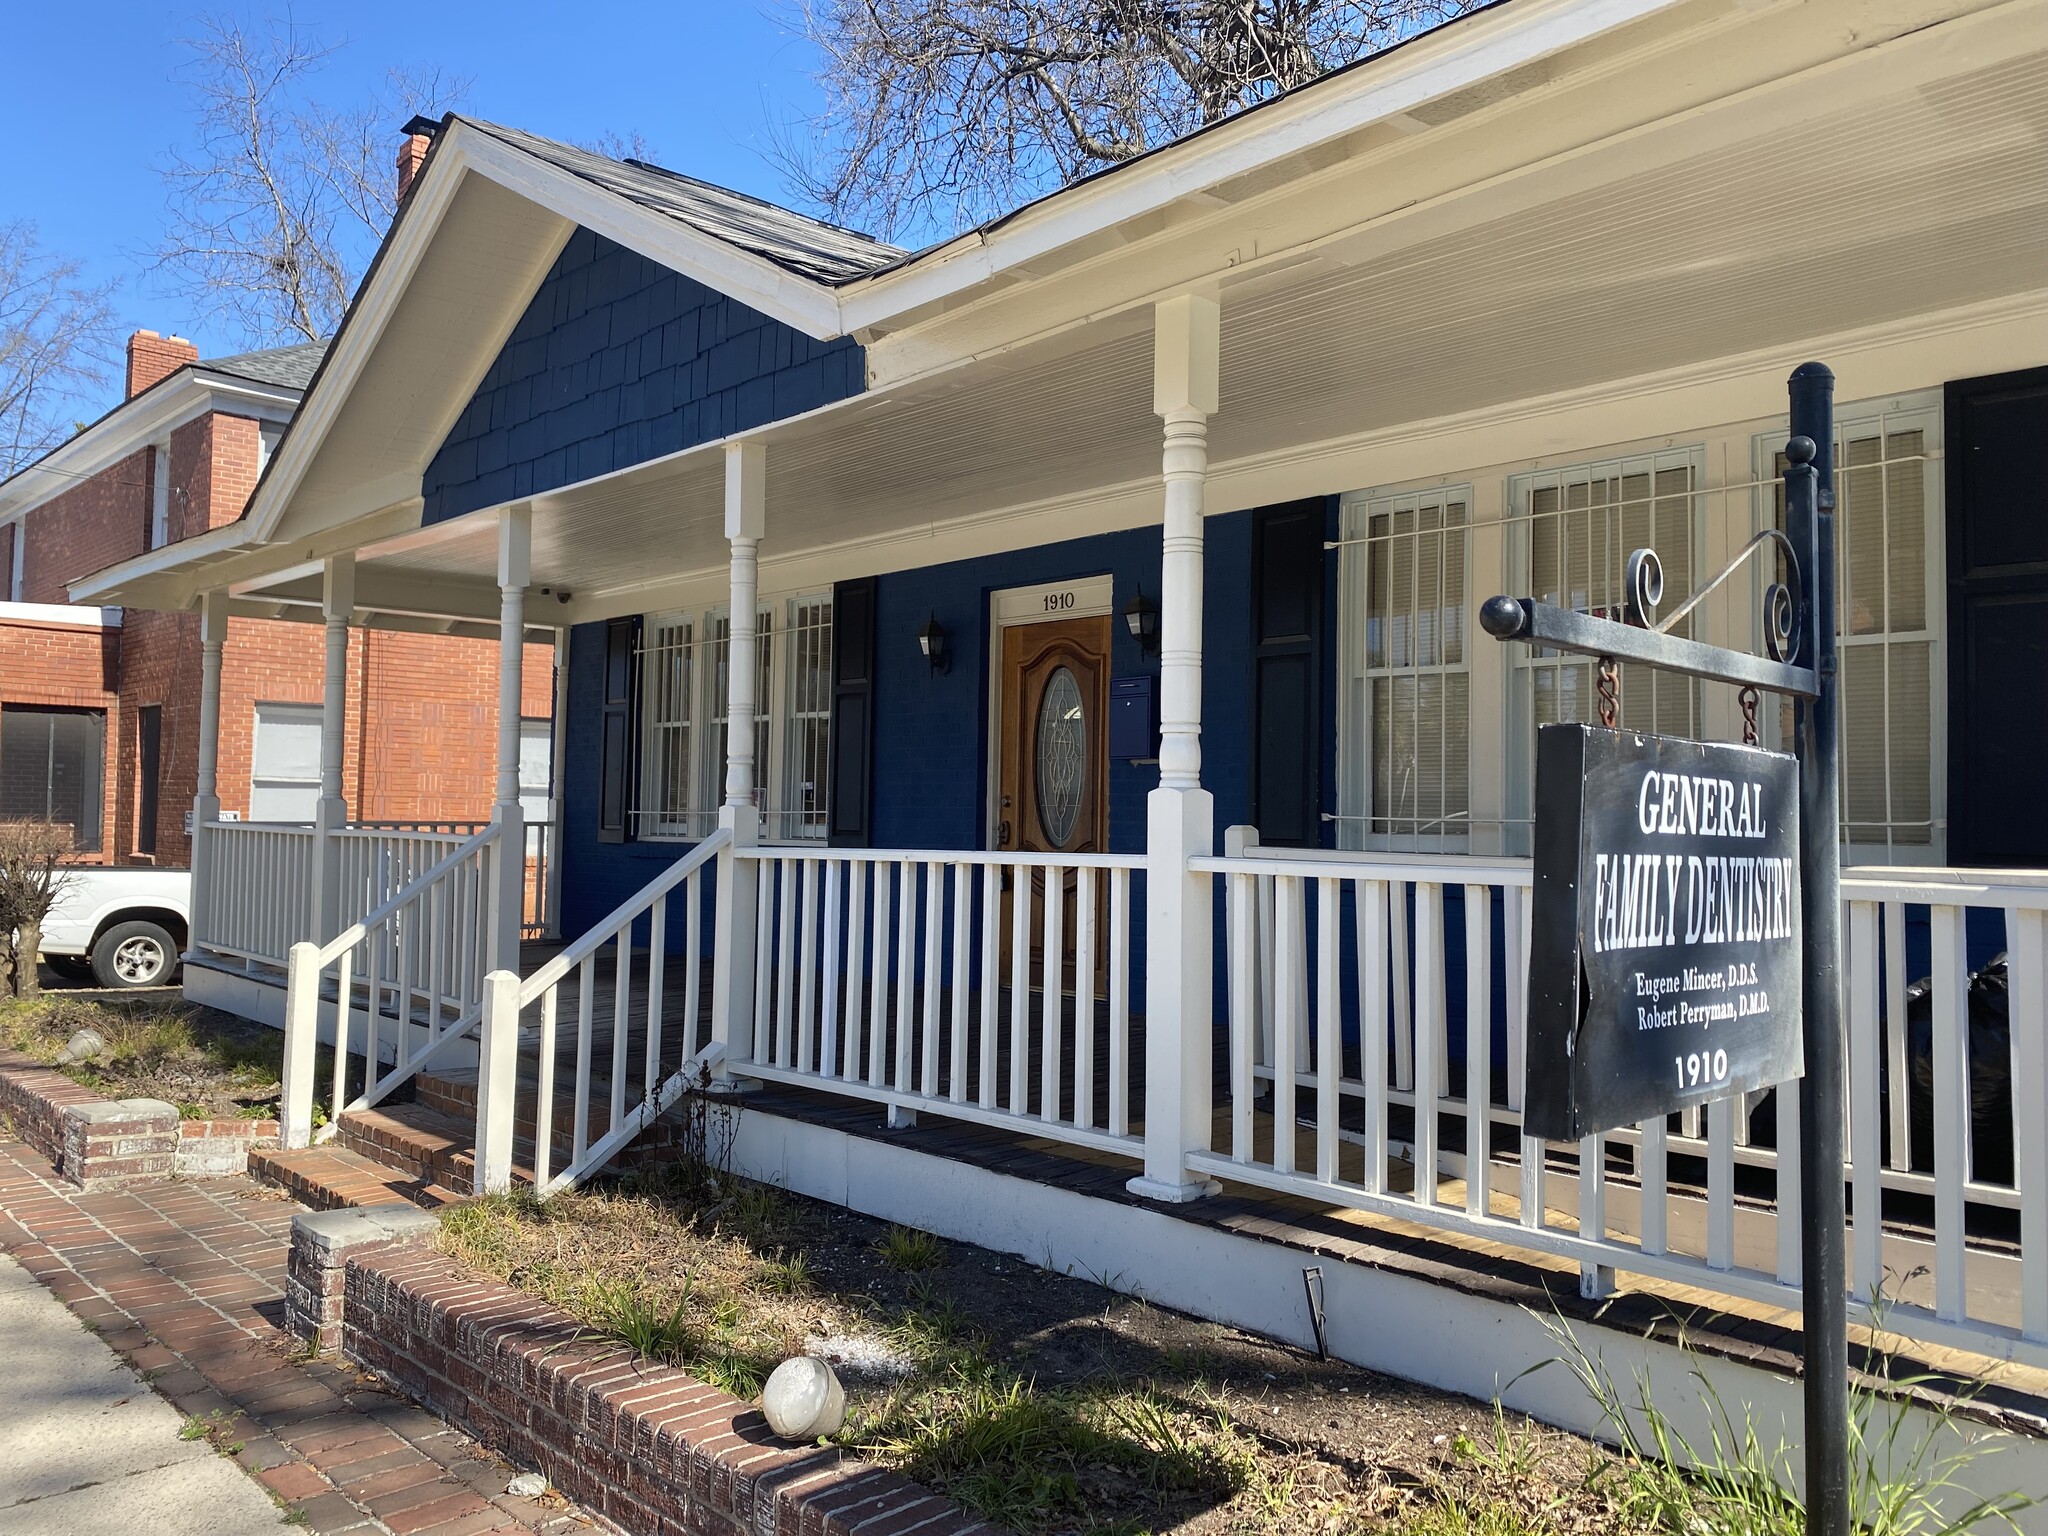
x,y
88,121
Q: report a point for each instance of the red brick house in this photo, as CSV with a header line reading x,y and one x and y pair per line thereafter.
x,y
99,707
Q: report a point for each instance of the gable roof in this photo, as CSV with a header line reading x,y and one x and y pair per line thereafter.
x,y
291,366
795,242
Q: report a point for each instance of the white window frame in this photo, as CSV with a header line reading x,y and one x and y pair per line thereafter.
x,y
1359,551
281,709
1524,662
655,817
1921,409
160,495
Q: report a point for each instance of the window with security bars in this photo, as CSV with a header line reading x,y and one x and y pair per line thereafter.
x,y
685,691
1887,593
1406,705
1573,530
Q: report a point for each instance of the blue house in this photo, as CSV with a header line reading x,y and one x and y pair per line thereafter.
x,y
1024,693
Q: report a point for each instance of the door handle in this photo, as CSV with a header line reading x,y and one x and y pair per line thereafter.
x,y
1002,834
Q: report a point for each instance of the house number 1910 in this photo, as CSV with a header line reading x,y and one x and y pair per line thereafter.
x,y
1058,602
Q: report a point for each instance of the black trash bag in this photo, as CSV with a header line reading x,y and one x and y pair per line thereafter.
x,y
1990,1052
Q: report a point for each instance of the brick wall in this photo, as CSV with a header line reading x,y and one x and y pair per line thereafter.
x,y
96,523
422,710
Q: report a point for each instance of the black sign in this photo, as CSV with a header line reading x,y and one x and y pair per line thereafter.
x,y
1665,963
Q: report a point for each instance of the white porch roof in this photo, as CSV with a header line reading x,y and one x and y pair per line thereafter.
x,y
1600,198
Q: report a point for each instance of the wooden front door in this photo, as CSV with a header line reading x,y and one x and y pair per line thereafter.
x,y
1053,766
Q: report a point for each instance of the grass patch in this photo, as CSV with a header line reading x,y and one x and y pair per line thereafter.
x,y
210,1064
907,1250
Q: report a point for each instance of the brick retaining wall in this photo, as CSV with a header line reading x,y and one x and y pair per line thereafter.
x,y
100,1143
645,1445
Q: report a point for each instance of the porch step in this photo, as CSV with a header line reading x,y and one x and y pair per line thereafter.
x,y
330,1177
420,1143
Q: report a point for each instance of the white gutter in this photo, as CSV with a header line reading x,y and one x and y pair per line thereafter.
x,y
61,614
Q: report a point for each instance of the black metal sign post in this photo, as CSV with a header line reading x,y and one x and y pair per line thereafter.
x,y
1579,797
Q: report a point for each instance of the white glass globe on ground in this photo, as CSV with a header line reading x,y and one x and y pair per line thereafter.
x,y
804,1400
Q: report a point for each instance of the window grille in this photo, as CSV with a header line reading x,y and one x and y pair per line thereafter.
x,y
1887,565
668,662
1573,529
1407,696
685,695
807,643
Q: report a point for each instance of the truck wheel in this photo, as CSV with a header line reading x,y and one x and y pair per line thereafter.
x,y
135,954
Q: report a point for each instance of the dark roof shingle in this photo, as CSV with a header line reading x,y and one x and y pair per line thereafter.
x,y
292,366
793,241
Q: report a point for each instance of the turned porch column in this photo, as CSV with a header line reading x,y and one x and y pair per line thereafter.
x,y
733,980
1180,814
213,634
508,897
330,812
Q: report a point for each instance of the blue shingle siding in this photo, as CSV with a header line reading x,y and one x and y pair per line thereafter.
x,y
618,360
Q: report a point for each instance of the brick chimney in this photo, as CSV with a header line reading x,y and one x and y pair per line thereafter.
x,y
412,154
152,357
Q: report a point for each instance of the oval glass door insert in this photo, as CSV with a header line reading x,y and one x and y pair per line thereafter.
x,y
1062,755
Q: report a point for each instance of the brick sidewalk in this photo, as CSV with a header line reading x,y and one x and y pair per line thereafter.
x,y
186,1280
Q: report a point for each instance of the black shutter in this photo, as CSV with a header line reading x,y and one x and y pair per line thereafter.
x,y
851,755
1287,636
615,774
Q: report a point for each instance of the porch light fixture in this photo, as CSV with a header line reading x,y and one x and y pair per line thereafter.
x,y
932,641
1141,615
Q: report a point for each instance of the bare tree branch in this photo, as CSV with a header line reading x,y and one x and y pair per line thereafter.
x,y
943,113
58,343
273,216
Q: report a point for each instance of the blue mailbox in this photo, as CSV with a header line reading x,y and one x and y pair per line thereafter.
x,y
1134,718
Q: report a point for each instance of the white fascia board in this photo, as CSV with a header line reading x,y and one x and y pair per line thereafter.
x,y
1466,53
352,349
134,425
807,305
63,614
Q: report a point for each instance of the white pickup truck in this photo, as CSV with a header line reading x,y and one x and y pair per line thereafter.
x,y
119,926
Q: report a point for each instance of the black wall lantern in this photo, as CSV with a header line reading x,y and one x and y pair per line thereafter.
x,y
932,641
1141,615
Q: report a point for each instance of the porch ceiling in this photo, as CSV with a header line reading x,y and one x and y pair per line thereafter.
x,y
1906,180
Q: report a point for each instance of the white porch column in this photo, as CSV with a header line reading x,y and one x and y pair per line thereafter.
x,y
213,634
337,607
1180,814
515,574
732,984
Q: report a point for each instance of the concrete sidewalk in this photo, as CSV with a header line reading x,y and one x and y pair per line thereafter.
x,y
90,1448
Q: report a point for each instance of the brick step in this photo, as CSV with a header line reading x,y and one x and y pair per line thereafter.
x,y
418,1142
331,1177
451,1094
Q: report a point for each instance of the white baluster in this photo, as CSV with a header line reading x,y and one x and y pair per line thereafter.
x,y
1020,990
1865,1123
1429,1005
1120,1002
1329,1054
991,981
1371,917
1290,966
2026,944
1242,898
1951,1109
1084,998
1720,1185
1052,1000
963,917
934,935
832,1023
1479,1050
807,970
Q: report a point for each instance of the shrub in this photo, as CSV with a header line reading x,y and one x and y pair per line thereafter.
x,y
32,877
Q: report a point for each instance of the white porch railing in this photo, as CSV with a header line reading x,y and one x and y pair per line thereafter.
x,y
981,986
537,917
627,1113
1338,990
411,970
258,900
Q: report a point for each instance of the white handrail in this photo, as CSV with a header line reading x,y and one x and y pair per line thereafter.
x,y
626,912
356,932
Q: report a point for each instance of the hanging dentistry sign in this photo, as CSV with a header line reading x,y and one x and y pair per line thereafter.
x,y
1665,960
